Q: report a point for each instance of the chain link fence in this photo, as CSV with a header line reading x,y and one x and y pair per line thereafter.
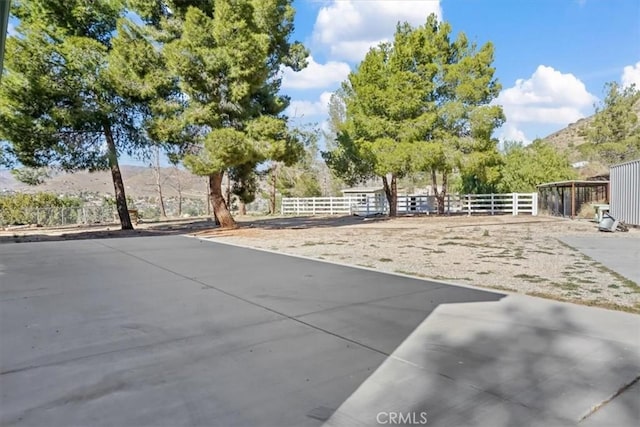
x,y
59,216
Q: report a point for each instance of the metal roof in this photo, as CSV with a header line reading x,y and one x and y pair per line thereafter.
x,y
576,182
363,190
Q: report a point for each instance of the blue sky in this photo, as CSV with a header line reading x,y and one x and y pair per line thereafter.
x,y
552,58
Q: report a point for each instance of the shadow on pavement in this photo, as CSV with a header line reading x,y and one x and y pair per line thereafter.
x,y
166,228
277,341
200,333
521,367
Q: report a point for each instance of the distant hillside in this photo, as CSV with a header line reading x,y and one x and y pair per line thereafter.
x,y
571,137
140,182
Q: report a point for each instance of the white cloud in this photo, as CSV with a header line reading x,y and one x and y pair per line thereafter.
x,y
631,75
315,75
510,132
305,109
348,28
547,98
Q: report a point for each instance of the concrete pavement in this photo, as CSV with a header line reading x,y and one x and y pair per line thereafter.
x,y
521,361
621,254
178,331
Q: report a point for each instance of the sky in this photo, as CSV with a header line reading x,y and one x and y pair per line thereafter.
x,y
552,57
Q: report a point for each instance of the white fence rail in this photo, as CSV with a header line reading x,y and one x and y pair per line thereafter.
x,y
317,205
490,204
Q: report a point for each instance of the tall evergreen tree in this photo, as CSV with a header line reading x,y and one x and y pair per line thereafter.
x,y
225,58
420,103
62,103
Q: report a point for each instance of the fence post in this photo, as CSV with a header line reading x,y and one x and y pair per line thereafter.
x,y
469,204
534,204
313,206
514,204
492,203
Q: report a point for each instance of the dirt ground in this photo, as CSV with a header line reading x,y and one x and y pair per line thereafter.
x,y
518,254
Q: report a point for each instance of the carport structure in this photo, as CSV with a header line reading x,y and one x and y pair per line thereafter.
x,y
566,198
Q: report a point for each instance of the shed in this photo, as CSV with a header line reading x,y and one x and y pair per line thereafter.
x,y
566,198
363,193
625,192
366,200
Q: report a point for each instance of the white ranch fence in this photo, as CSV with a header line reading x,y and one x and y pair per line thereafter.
x,y
488,204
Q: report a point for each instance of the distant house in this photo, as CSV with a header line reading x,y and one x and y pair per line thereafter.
x,y
625,192
578,165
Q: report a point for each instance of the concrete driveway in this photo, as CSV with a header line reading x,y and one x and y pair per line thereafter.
x,y
620,254
178,331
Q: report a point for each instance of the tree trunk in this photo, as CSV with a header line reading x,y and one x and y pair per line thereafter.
x,y
156,169
272,199
118,185
220,210
443,193
391,191
178,187
243,207
208,198
229,204
440,195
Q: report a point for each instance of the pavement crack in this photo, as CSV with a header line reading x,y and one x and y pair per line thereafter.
x,y
366,302
248,301
600,405
61,359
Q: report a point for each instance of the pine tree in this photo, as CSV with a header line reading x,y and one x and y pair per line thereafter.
x,y
420,103
224,57
62,102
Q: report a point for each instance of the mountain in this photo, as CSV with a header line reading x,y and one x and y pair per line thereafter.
x,y
569,140
571,137
139,181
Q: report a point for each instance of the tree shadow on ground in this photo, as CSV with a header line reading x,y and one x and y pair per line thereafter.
x,y
173,227
521,367
266,340
165,228
304,222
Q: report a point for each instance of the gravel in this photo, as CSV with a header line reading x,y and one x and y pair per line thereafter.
x,y
518,254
